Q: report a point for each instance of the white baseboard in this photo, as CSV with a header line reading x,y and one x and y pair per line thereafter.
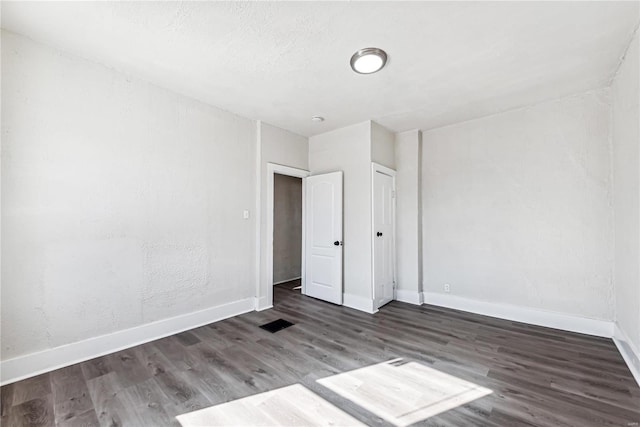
x,y
29,365
288,280
629,352
411,297
262,304
549,319
359,303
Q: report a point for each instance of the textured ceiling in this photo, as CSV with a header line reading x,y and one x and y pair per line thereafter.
x,y
285,62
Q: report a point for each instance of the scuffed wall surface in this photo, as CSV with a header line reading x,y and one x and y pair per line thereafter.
x,y
287,228
626,179
122,202
517,207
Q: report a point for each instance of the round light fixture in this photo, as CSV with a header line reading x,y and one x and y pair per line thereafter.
x,y
317,119
368,60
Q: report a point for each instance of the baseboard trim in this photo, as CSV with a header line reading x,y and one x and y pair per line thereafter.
x,y
549,319
288,280
411,297
629,352
359,303
262,303
29,365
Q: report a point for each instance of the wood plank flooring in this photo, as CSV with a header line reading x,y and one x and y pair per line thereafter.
x,y
538,376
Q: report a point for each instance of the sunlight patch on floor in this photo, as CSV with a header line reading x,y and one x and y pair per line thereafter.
x,y
402,392
294,405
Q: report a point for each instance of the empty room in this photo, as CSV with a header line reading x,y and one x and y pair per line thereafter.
x,y
320,213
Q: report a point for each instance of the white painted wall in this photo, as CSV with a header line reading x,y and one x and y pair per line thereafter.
x,y
122,201
626,190
382,146
287,228
348,149
517,207
282,147
408,150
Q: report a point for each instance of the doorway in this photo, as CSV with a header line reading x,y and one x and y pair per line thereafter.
x,y
287,235
321,205
264,295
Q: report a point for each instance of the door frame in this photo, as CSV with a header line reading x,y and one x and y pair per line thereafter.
x,y
378,168
266,288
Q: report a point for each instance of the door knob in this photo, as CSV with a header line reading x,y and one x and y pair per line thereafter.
x,y
337,243
378,234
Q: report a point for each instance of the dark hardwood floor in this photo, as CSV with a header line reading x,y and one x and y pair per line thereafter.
x,y
539,376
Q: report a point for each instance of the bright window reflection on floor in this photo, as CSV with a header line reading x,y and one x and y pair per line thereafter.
x,y
403,393
294,405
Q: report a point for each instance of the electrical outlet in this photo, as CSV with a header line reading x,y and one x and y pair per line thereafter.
x,y
447,287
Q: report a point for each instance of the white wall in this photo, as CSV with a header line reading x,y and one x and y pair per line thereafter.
x,y
348,149
517,207
122,202
283,147
626,189
287,228
382,146
408,150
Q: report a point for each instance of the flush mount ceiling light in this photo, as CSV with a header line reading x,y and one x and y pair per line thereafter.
x,y
368,60
317,119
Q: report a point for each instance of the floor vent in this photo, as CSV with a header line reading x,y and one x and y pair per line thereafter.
x,y
276,325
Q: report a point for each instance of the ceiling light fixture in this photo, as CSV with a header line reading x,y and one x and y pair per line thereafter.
x,y
317,119
368,60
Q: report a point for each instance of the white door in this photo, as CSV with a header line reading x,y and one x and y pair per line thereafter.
x,y
323,237
383,238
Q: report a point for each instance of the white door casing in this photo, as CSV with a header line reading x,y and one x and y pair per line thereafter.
x,y
383,212
264,296
323,237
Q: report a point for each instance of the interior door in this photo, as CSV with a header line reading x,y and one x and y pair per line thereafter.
x,y
383,239
323,237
